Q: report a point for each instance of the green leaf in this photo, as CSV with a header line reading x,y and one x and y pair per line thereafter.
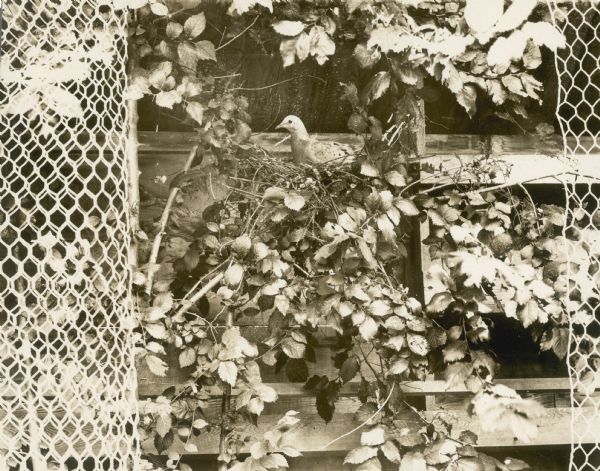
x,y
187,357
156,365
289,28
391,452
228,372
395,178
325,405
163,443
440,302
234,274
399,366
174,29
349,369
360,455
159,9
376,87
413,461
294,201
368,328
194,25
467,98
296,370
373,437
196,111
199,424
292,348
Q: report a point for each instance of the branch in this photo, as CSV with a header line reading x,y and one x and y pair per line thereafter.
x,y
364,423
164,219
239,35
200,294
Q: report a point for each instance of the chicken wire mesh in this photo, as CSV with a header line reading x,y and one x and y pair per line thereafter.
x,y
578,69
67,394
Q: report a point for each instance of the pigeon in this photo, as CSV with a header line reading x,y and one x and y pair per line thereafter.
x,y
308,150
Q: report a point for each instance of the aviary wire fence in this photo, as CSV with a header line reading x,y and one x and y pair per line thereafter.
x,y
67,396
578,69
68,389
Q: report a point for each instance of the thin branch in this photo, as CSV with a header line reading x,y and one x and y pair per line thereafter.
x,y
239,35
266,87
364,423
199,294
164,219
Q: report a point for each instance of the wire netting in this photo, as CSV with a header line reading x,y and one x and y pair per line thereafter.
x,y
578,69
68,383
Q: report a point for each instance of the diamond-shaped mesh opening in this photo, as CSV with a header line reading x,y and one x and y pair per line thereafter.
x,y
578,69
67,395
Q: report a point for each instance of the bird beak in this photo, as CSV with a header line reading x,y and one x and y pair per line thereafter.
x,y
281,125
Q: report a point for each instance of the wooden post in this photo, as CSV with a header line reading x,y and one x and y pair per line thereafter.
x,y
419,132
133,193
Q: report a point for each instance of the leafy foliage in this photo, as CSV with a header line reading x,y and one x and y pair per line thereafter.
x,y
304,247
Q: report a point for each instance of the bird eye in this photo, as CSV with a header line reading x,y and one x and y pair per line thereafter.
x,y
289,121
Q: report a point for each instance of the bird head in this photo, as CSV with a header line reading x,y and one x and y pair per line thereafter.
x,y
293,125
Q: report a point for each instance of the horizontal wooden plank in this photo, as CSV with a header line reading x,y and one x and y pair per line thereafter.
x,y
149,386
313,433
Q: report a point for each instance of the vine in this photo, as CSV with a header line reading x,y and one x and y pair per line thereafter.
x,y
305,247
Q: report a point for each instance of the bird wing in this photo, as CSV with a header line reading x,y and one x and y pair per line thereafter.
x,y
323,152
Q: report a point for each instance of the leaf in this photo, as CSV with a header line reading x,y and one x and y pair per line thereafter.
x,y
296,370
469,464
368,170
242,6
544,34
399,366
349,369
467,98
190,53
413,461
371,465
187,357
163,424
376,87
507,49
368,329
196,111
481,15
406,207
228,372
417,344
194,25
380,308
234,274
156,365
157,331
325,405
159,9
163,443
532,58
294,201
173,29
366,57
23,102
360,455
199,424
289,28
455,351
61,101
373,437
160,73
168,99
293,349
440,302
395,178
386,227
515,15
391,452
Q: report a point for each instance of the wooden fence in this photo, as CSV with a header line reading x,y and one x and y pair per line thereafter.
x,y
534,161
